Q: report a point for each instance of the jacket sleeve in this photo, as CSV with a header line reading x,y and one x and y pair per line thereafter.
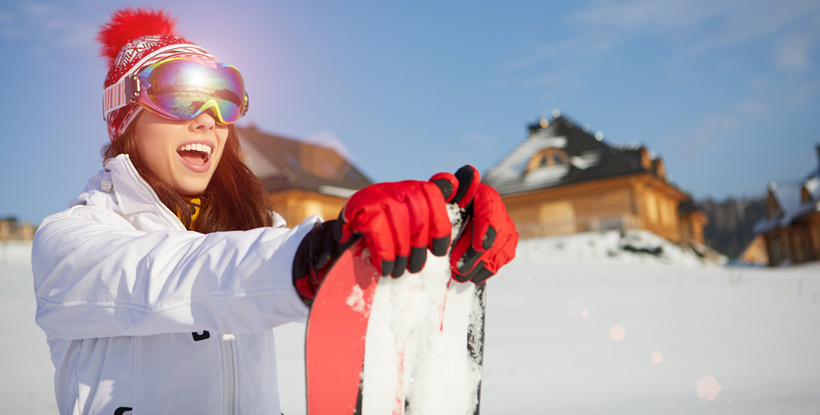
x,y
94,279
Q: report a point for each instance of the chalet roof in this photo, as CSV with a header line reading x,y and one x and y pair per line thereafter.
x,y
588,159
282,163
789,198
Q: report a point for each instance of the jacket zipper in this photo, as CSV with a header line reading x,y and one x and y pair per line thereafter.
x,y
228,341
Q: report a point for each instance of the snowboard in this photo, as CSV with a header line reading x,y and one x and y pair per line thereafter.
x,y
410,345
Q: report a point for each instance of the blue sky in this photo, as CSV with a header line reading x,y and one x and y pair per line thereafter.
x,y
726,92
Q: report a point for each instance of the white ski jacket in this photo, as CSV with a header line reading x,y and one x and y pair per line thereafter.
x,y
144,316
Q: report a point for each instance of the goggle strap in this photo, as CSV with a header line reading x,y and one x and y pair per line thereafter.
x,y
124,92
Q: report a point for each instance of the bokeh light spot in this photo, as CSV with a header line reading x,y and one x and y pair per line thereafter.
x,y
575,308
708,388
617,333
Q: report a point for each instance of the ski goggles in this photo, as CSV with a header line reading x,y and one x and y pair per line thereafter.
x,y
181,89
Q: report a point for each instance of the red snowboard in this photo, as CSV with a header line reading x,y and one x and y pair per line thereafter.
x,y
418,362
344,300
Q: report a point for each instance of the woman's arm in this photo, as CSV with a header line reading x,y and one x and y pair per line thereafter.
x,y
95,276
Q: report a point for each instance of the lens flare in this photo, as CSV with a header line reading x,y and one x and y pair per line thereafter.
x,y
708,388
617,333
576,308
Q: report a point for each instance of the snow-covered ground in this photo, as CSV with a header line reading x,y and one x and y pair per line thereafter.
x,y
583,324
26,372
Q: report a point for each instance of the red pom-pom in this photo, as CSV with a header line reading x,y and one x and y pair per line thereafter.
x,y
128,24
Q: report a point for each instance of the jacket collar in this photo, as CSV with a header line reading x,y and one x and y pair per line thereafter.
x,y
119,188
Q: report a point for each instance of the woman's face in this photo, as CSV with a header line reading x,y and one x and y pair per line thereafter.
x,y
183,154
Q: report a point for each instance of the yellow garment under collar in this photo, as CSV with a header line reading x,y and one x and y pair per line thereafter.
x,y
195,203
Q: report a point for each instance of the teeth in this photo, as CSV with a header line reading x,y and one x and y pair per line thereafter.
x,y
204,148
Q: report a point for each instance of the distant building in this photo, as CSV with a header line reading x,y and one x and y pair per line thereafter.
x,y
561,179
13,230
791,228
755,253
301,179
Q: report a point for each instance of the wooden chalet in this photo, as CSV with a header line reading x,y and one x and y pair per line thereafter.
x,y
13,230
301,179
562,179
791,227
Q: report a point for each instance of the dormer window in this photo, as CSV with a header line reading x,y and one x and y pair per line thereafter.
x,y
547,158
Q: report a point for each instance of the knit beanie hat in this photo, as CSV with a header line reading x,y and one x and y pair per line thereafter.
x,y
131,41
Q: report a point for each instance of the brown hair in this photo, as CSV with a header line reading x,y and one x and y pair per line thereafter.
x,y
233,201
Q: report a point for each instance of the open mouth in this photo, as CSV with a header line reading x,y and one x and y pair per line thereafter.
x,y
195,154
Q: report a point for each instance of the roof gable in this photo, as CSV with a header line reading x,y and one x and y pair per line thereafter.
x,y
589,159
789,201
282,163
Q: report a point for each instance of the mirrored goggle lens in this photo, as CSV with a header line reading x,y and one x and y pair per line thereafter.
x,y
183,89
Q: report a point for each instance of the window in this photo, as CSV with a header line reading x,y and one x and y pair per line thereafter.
x,y
547,158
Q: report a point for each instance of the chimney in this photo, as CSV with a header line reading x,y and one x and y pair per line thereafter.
x,y
537,126
818,156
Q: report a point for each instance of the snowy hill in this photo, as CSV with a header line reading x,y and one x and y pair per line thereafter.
x,y
572,329
581,324
635,247
26,384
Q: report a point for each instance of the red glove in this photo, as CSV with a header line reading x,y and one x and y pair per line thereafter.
x,y
489,240
399,222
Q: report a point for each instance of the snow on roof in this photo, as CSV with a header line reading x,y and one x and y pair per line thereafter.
x,y
789,197
513,166
588,157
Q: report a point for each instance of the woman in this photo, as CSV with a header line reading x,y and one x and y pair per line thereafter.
x,y
159,286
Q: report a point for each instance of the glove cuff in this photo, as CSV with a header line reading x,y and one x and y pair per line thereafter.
x,y
316,254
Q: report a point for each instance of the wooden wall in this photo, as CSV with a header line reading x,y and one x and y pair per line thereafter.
x,y
657,203
797,243
297,205
584,207
632,202
691,227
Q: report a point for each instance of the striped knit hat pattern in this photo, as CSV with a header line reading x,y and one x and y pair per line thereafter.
x,y
132,40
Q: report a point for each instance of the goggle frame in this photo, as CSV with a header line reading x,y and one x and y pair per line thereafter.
x,y
130,88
